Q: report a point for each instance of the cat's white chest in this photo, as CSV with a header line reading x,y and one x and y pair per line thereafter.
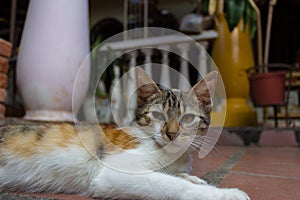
x,y
148,159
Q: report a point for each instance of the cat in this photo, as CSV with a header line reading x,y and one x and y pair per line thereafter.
x,y
148,160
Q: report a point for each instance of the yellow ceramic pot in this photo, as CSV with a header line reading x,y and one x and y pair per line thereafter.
x,y
232,53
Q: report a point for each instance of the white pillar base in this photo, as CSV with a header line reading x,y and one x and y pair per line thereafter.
x,y
49,115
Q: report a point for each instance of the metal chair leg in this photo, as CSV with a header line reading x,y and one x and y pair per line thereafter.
x,y
275,115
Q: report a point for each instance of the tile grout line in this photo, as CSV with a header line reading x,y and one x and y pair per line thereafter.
x,y
215,177
264,175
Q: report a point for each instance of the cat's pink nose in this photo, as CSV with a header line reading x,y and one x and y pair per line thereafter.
x,y
172,135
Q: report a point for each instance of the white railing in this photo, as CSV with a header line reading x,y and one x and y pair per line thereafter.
x,y
166,44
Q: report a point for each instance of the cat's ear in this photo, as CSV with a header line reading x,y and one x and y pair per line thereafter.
x,y
205,89
146,87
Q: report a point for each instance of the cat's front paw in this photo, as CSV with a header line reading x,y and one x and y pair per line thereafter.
x,y
208,192
233,194
193,179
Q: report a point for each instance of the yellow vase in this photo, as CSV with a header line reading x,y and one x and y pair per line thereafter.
x,y
232,53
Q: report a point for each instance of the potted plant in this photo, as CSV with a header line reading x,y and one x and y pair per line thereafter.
x,y
265,77
267,88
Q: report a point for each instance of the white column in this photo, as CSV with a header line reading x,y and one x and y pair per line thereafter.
x,y
147,66
184,80
115,95
54,43
165,78
129,90
202,67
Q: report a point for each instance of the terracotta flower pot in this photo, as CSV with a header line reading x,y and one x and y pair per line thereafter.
x,y
267,88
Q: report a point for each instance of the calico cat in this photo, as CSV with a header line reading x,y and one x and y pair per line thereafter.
x,y
150,160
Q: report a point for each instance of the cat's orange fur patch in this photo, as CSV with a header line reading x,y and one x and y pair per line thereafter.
x,y
120,138
21,145
30,142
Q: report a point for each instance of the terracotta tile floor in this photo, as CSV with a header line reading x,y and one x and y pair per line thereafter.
x,y
267,171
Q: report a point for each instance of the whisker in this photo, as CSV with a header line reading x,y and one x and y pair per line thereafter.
x,y
193,146
209,141
207,146
203,145
207,137
201,141
210,137
215,150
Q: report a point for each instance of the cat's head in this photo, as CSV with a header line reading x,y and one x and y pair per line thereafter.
x,y
174,117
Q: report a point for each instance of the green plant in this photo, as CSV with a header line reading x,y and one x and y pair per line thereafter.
x,y
234,11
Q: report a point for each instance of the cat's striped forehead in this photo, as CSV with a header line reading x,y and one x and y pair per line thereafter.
x,y
170,99
175,102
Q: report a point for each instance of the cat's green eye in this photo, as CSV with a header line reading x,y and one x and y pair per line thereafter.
x,y
187,119
159,116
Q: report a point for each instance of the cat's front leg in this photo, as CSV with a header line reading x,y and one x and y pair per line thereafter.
x,y
231,194
113,184
216,193
193,179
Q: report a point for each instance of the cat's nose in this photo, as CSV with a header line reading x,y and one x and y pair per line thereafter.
x,y
172,129
172,135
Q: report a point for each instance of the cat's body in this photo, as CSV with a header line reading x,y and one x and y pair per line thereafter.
x,y
149,160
